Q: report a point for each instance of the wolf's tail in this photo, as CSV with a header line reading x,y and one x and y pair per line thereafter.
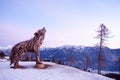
x,y
12,57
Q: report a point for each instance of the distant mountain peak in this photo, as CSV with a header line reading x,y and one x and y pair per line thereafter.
x,y
72,46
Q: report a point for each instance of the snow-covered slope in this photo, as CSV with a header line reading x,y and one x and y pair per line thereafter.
x,y
52,72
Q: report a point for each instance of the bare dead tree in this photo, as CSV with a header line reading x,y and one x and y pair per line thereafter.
x,y
71,59
119,64
88,61
102,59
103,33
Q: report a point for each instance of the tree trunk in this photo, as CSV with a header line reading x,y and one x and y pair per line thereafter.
x,y
100,52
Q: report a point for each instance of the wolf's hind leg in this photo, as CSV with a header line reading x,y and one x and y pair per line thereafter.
x,y
16,62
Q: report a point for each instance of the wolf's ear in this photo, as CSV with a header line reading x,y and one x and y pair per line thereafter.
x,y
36,33
43,28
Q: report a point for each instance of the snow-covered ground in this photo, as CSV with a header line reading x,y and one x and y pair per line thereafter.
x,y
52,72
4,59
105,72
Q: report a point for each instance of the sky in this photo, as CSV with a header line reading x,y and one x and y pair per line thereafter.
x,y
68,22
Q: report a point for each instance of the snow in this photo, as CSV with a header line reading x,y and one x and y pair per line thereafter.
x,y
105,72
52,72
72,46
4,59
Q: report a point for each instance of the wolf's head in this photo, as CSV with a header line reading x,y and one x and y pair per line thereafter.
x,y
40,32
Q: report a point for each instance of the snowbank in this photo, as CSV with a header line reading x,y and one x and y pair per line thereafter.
x,y
4,59
52,72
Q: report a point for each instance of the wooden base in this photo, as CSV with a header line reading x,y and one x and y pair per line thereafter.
x,y
40,66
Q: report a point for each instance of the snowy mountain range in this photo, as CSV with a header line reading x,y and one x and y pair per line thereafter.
x,y
76,56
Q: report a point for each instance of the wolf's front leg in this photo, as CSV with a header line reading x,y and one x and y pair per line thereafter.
x,y
38,57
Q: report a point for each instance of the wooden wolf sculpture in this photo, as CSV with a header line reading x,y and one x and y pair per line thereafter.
x,y
32,45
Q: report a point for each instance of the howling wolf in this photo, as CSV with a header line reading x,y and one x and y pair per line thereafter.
x,y
32,45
